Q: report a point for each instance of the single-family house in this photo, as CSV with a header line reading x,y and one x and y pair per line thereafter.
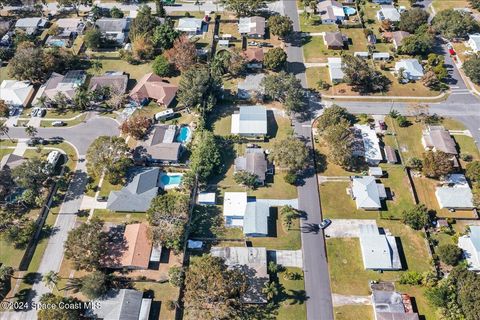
x,y
251,88
122,304
191,26
114,29
250,121
16,93
367,193
254,57
367,144
253,261
139,192
335,70
75,25
31,25
470,244
254,162
160,146
455,193
381,56
334,40
61,84
397,37
252,27
331,12
391,305
379,251
153,87
115,81
388,13
132,250
234,208
436,138
11,161
474,42
409,69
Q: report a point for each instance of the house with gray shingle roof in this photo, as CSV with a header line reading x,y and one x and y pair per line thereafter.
x,y
115,29
137,195
123,304
253,161
252,27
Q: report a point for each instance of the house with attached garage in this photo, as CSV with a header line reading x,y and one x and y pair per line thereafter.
x,y
252,27
254,57
331,12
114,29
436,138
409,70
250,121
16,93
335,70
379,251
159,147
470,244
114,81
153,87
61,84
334,40
367,193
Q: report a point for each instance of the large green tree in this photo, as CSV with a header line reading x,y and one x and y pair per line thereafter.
x,y
31,174
275,59
420,43
437,164
362,77
286,89
472,69
454,24
95,285
450,254
412,19
57,309
110,155
289,153
86,245
243,8
144,23
280,26
206,158
183,54
165,35
340,140
416,217
212,290
93,38
473,171
332,116
168,216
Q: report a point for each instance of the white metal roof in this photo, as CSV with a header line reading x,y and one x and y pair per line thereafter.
x,y
371,143
366,192
379,251
234,204
410,66
451,197
250,120
335,69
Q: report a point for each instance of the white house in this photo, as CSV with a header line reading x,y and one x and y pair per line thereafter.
x,y
381,56
470,244
250,121
191,26
379,251
455,193
331,12
234,208
30,25
411,69
335,70
474,42
382,1
16,93
367,144
388,13
367,193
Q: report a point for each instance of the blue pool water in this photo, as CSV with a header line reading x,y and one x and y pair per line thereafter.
x,y
57,43
349,11
184,134
171,179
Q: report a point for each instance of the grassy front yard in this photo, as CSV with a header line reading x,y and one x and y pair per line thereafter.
x,y
280,239
354,312
292,299
315,74
122,217
314,25
68,123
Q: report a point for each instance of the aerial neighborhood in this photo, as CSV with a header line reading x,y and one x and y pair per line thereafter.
x,y
234,159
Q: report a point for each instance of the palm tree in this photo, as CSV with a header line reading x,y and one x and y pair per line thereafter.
x,y
6,273
42,101
50,279
82,98
270,289
31,131
4,130
96,65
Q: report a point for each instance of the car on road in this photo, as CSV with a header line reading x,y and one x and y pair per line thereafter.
x,y
325,223
58,123
36,140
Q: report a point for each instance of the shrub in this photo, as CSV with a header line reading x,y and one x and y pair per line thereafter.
x,y
290,178
403,121
411,278
161,66
450,254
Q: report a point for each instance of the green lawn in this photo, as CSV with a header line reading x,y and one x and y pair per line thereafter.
x,y
283,239
354,312
162,293
467,146
357,39
315,74
5,151
314,25
8,143
65,114
292,299
314,50
123,217
107,187
70,123
397,182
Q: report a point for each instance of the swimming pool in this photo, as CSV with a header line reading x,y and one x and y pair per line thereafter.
x,y
171,180
58,43
349,11
184,134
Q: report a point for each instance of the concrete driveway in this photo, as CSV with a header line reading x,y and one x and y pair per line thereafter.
x,y
346,228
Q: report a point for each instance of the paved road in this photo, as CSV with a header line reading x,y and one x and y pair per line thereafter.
x,y
317,278
81,136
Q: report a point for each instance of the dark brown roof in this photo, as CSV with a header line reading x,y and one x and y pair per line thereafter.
x,y
254,54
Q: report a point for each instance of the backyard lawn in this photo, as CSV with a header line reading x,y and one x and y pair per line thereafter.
x,y
119,217
353,312
281,239
314,25
315,74
292,298
162,293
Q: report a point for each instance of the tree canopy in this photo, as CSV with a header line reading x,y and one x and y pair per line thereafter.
x,y
411,20
472,69
362,77
136,126
168,216
285,88
93,38
454,24
450,254
243,8
206,159
161,66
59,311
31,174
437,164
109,155
416,217
275,59
420,43
473,171
165,35
280,26
332,116
95,285
340,140
289,153
86,245
144,23
183,54
213,291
